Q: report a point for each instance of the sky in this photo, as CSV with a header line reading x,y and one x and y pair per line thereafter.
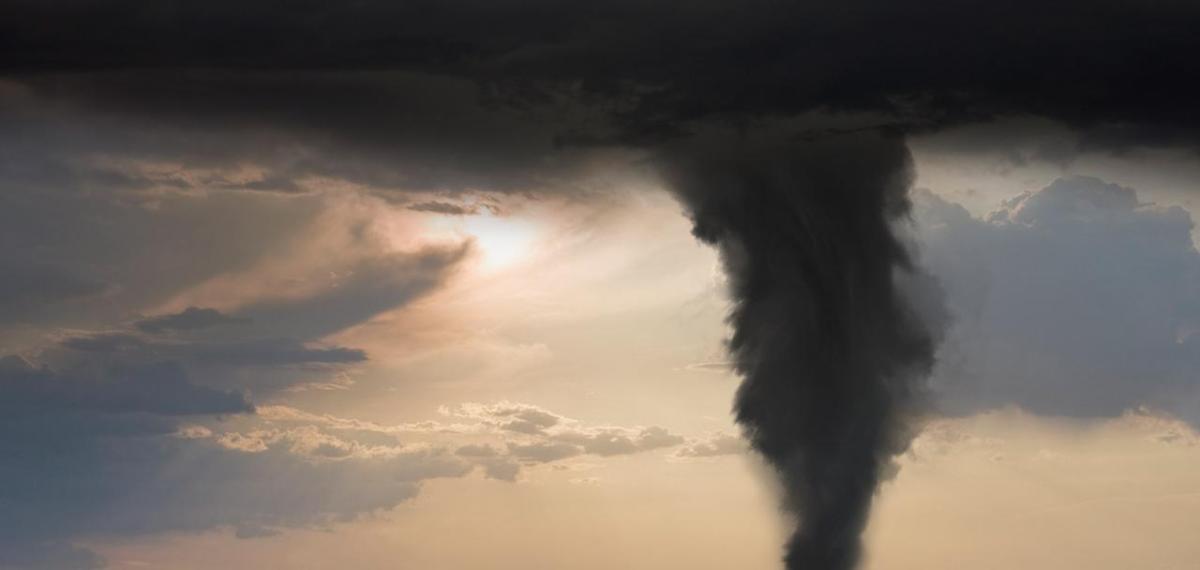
x,y
492,287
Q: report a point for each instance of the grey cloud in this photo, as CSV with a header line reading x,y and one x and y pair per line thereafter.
x,y
191,318
530,422
126,467
502,470
121,253
160,389
1075,300
445,208
720,367
371,286
608,441
543,452
96,443
103,456
128,252
715,445
105,342
49,555
30,287
249,531
263,365
655,437
557,437
495,464
550,437
477,451
512,416
272,352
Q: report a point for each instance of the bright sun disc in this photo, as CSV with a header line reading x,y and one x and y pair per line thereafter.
x,y
502,241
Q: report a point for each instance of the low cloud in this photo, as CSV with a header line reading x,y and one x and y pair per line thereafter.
x,y
543,451
510,416
477,451
119,452
191,318
715,445
502,470
547,436
444,208
609,441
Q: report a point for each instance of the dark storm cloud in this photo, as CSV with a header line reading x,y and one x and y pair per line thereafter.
x,y
383,129
652,67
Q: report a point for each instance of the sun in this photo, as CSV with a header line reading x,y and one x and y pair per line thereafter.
x,y
502,241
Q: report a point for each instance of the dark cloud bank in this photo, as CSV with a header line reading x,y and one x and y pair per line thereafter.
x,y
780,125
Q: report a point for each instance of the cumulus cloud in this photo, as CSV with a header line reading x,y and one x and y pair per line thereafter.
x,y
495,464
502,470
607,441
1075,300
506,434
543,451
549,436
715,445
510,416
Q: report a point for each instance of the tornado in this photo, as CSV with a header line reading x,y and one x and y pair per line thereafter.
x,y
831,354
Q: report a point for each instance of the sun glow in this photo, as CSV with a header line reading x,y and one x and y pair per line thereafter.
x,y
498,240
502,241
